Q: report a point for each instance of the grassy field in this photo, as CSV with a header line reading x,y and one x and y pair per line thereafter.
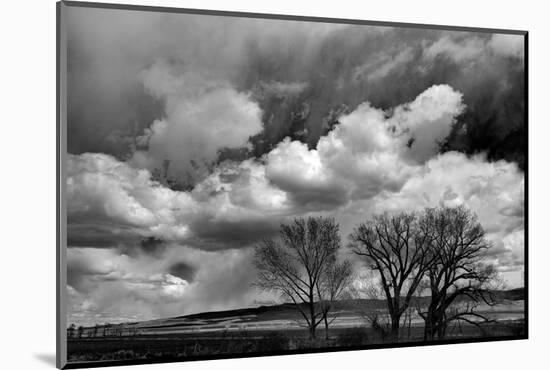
x,y
265,329
179,346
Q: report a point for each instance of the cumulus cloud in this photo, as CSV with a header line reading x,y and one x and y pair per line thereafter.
x,y
97,186
202,117
294,168
113,204
493,190
427,120
369,151
388,161
104,191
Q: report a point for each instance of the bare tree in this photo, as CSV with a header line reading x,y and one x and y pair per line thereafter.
x,y
298,262
394,248
333,287
80,330
458,245
119,330
106,329
95,330
367,293
70,331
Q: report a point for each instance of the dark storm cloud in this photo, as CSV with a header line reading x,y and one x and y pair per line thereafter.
x,y
105,98
298,72
318,199
149,246
152,245
183,270
101,235
211,234
494,120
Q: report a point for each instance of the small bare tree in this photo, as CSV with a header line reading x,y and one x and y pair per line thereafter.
x,y
106,329
370,290
71,330
458,246
298,262
332,287
119,330
95,330
394,248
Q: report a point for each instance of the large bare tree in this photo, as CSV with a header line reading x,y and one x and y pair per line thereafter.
x,y
298,262
458,245
393,247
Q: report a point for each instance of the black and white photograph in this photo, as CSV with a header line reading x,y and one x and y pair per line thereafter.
x,y
240,185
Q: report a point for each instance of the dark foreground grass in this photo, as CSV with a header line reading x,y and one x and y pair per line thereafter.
x,y
178,346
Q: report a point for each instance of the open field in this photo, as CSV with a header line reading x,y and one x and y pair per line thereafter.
x,y
268,329
170,346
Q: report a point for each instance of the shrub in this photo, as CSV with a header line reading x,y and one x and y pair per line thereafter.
x,y
353,337
273,341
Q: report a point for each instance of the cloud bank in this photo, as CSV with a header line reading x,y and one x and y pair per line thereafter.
x,y
298,73
373,161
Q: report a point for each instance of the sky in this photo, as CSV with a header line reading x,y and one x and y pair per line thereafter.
x,y
191,138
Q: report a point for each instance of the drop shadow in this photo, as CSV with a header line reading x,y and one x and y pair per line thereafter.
x,y
46,358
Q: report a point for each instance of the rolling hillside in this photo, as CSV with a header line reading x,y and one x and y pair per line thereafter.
x,y
349,313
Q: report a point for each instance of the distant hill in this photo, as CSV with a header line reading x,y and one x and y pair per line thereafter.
x,y
288,310
351,312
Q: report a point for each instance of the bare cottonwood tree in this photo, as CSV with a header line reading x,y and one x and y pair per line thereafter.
x,y
295,264
458,245
394,248
332,287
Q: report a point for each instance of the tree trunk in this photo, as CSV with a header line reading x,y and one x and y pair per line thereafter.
x,y
311,315
326,326
312,332
429,331
441,329
394,331
430,326
410,325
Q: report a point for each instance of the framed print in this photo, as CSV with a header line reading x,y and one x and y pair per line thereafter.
x,y
235,184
